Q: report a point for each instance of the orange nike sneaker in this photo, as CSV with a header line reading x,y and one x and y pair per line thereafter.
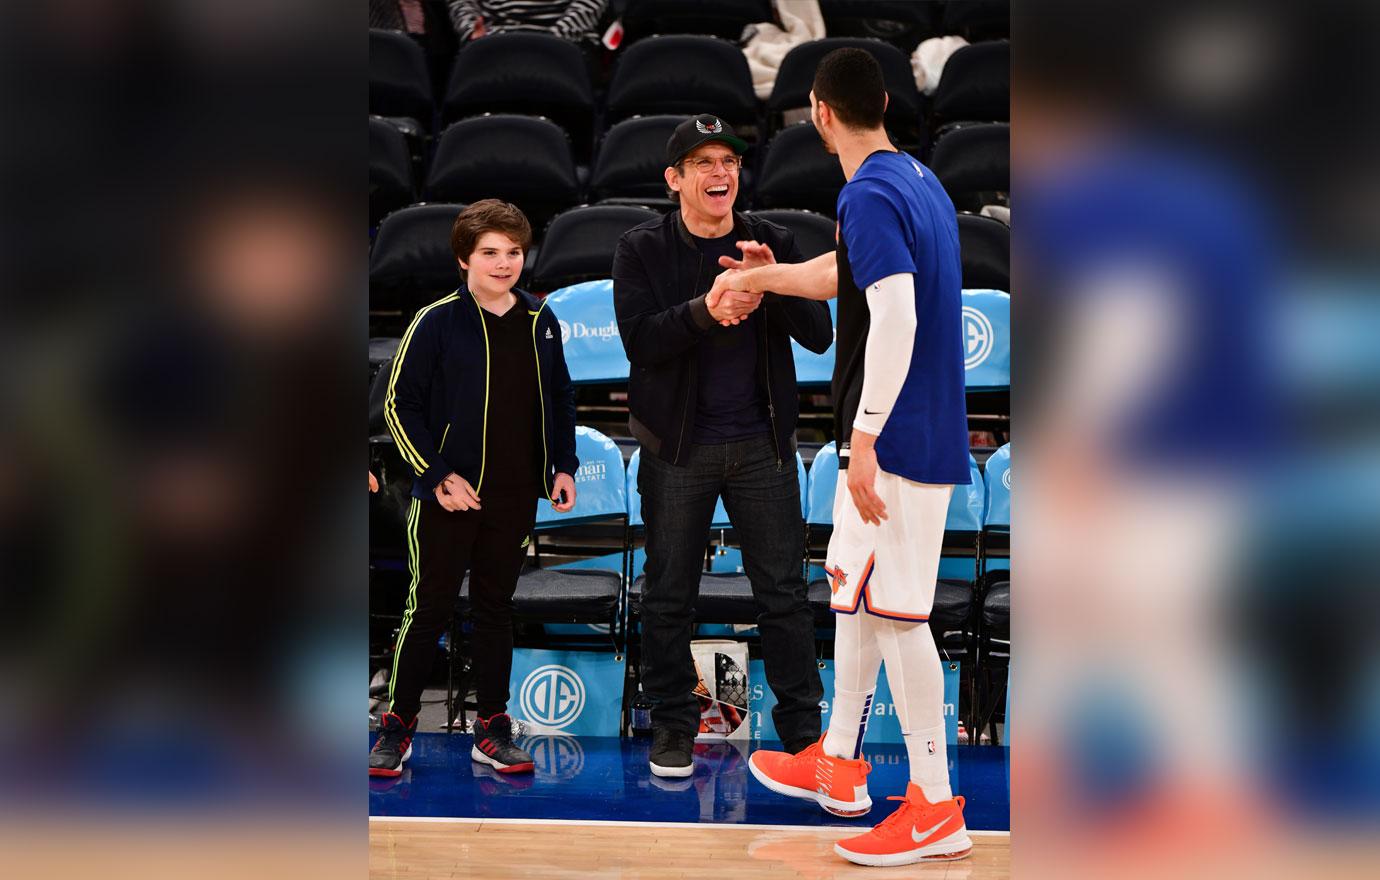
x,y
839,785
918,831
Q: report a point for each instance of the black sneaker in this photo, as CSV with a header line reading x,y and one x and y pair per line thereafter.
x,y
672,752
393,746
493,745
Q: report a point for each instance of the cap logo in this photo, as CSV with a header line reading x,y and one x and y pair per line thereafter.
x,y
714,127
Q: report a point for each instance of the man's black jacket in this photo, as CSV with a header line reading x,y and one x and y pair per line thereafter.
x,y
659,282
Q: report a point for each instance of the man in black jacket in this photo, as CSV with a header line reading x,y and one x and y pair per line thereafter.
x,y
713,401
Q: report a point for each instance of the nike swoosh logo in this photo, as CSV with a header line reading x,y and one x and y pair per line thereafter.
x,y
926,836
868,412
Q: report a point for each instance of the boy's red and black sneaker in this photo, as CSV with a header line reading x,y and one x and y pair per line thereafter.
x,y
493,745
393,746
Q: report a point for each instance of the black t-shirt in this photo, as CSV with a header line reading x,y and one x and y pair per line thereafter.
x,y
850,349
730,404
513,451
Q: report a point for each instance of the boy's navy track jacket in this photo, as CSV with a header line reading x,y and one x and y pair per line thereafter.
x,y
438,393
659,281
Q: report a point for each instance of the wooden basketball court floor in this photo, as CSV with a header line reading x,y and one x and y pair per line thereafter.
x,y
475,849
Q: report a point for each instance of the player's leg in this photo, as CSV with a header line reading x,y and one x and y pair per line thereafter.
x,y
832,772
505,523
898,596
438,546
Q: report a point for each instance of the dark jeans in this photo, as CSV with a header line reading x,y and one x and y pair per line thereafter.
x,y
763,501
442,544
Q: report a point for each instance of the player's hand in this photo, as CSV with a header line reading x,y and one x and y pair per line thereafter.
x,y
373,482
563,483
862,478
755,254
728,306
455,494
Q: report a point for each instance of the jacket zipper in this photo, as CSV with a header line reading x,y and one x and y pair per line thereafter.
x,y
689,389
541,399
771,407
484,434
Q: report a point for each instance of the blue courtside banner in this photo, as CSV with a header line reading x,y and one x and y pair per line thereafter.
x,y
577,693
883,727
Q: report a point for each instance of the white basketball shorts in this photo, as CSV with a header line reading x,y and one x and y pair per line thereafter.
x,y
888,569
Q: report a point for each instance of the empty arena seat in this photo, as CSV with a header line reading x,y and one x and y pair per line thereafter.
x,y
814,233
997,483
791,91
537,74
721,18
985,248
974,164
977,19
391,184
799,173
381,353
966,503
903,23
579,244
632,157
816,369
411,262
589,332
525,160
975,84
683,75
986,339
399,84
823,481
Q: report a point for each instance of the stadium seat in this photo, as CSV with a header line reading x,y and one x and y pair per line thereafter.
x,y
381,353
683,75
579,244
994,641
632,157
720,18
977,20
791,90
798,173
816,369
391,184
974,164
411,263
399,84
985,247
536,74
814,233
975,85
996,512
986,339
525,160
589,332
903,23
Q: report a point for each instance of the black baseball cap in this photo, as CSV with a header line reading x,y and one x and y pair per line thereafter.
x,y
701,130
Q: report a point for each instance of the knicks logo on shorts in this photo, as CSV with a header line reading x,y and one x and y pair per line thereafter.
x,y
838,579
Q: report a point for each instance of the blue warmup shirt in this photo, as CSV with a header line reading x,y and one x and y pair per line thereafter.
x,y
729,403
895,218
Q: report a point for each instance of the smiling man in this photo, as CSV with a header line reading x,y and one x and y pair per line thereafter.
x,y
712,399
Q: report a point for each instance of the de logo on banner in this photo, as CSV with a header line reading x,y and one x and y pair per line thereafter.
x,y
882,727
577,693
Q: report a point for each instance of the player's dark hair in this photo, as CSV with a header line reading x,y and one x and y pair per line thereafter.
x,y
850,82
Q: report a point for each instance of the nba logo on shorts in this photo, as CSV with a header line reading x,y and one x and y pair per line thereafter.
x,y
930,744
552,696
978,336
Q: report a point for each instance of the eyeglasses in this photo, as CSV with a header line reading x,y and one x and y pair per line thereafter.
x,y
704,164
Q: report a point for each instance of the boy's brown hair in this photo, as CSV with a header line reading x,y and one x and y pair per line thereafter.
x,y
488,215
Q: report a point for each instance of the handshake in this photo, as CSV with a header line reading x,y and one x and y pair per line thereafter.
x,y
730,300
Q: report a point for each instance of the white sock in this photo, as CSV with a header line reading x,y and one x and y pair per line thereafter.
x,y
857,660
929,763
848,723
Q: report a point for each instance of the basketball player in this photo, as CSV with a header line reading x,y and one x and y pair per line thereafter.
x,y
902,436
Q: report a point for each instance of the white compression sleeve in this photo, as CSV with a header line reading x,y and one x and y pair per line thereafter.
x,y
890,340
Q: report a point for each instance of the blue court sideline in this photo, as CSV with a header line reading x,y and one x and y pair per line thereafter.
x,y
606,778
